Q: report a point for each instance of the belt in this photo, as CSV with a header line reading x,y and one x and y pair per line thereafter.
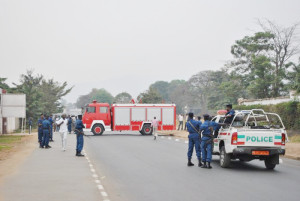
x,y
207,135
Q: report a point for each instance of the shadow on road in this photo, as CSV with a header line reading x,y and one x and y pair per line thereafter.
x,y
245,166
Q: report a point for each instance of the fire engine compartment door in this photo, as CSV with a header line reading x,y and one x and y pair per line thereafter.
x,y
154,112
122,116
168,116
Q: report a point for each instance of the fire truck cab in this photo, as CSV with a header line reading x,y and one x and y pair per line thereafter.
x,y
100,117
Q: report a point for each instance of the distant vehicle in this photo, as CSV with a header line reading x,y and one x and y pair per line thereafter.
x,y
100,117
253,134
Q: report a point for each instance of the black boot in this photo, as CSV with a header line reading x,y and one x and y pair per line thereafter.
x,y
199,163
204,166
190,163
208,166
79,154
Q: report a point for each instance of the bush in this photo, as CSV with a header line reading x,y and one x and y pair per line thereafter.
x,y
289,112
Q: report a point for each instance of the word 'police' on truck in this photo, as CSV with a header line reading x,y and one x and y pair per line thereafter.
x,y
100,117
253,134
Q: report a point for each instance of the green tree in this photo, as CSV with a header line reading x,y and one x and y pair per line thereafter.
x,y
42,96
100,95
294,77
123,97
29,85
162,87
260,86
3,84
150,96
52,92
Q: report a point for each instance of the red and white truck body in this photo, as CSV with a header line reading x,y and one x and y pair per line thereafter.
x,y
100,117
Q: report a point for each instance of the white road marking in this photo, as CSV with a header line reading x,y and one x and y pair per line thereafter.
x,y
177,140
186,142
162,137
97,181
169,138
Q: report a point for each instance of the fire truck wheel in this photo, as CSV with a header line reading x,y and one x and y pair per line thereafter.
x,y
98,129
146,130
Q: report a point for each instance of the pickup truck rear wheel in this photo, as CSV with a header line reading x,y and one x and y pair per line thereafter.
x,y
98,129
269,164
224,158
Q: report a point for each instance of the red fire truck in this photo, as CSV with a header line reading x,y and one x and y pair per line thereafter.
x,y
100,117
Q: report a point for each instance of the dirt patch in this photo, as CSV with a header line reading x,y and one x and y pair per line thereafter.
x,y
293,150
180,134
11,158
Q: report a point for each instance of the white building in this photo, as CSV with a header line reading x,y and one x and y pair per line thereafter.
x,y
269,101
12,108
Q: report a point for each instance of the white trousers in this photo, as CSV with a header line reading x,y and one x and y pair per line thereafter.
x,y
155,132
63,136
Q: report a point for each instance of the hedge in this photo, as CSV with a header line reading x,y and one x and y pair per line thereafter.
x,y
289,112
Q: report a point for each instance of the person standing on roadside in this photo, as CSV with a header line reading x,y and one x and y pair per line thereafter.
x,y
79,133
51,128
70,124
186,120
193,128
154,125
29,125
180,119
46,133
40,129
63,130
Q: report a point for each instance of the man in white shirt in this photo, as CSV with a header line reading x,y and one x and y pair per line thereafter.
x,y
63,130
154,125
180,119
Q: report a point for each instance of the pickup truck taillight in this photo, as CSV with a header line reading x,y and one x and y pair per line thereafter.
x,y
234,138
283,139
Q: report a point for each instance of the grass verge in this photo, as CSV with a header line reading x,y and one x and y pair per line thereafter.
x,y
6,142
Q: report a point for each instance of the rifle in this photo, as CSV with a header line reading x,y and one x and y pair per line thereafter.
x,y
79,132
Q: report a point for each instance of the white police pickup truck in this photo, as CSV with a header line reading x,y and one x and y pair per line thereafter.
x,y
252,134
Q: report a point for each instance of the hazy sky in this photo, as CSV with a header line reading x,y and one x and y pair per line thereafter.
x,y
126,45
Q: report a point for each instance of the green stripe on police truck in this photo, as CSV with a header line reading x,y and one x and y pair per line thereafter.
x,y
278,137
241,136
259,139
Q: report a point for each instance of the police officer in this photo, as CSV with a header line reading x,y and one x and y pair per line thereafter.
x,y
230,114
51,128
206,141
46,133
40,129
193,128
79,132
69,124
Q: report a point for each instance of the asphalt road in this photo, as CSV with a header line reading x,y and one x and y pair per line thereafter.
x,y
137,168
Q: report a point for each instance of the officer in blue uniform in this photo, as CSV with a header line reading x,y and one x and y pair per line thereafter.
x,y
230,114
51,128
79,132
40,129
206,140
69,124
46,133
193,128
